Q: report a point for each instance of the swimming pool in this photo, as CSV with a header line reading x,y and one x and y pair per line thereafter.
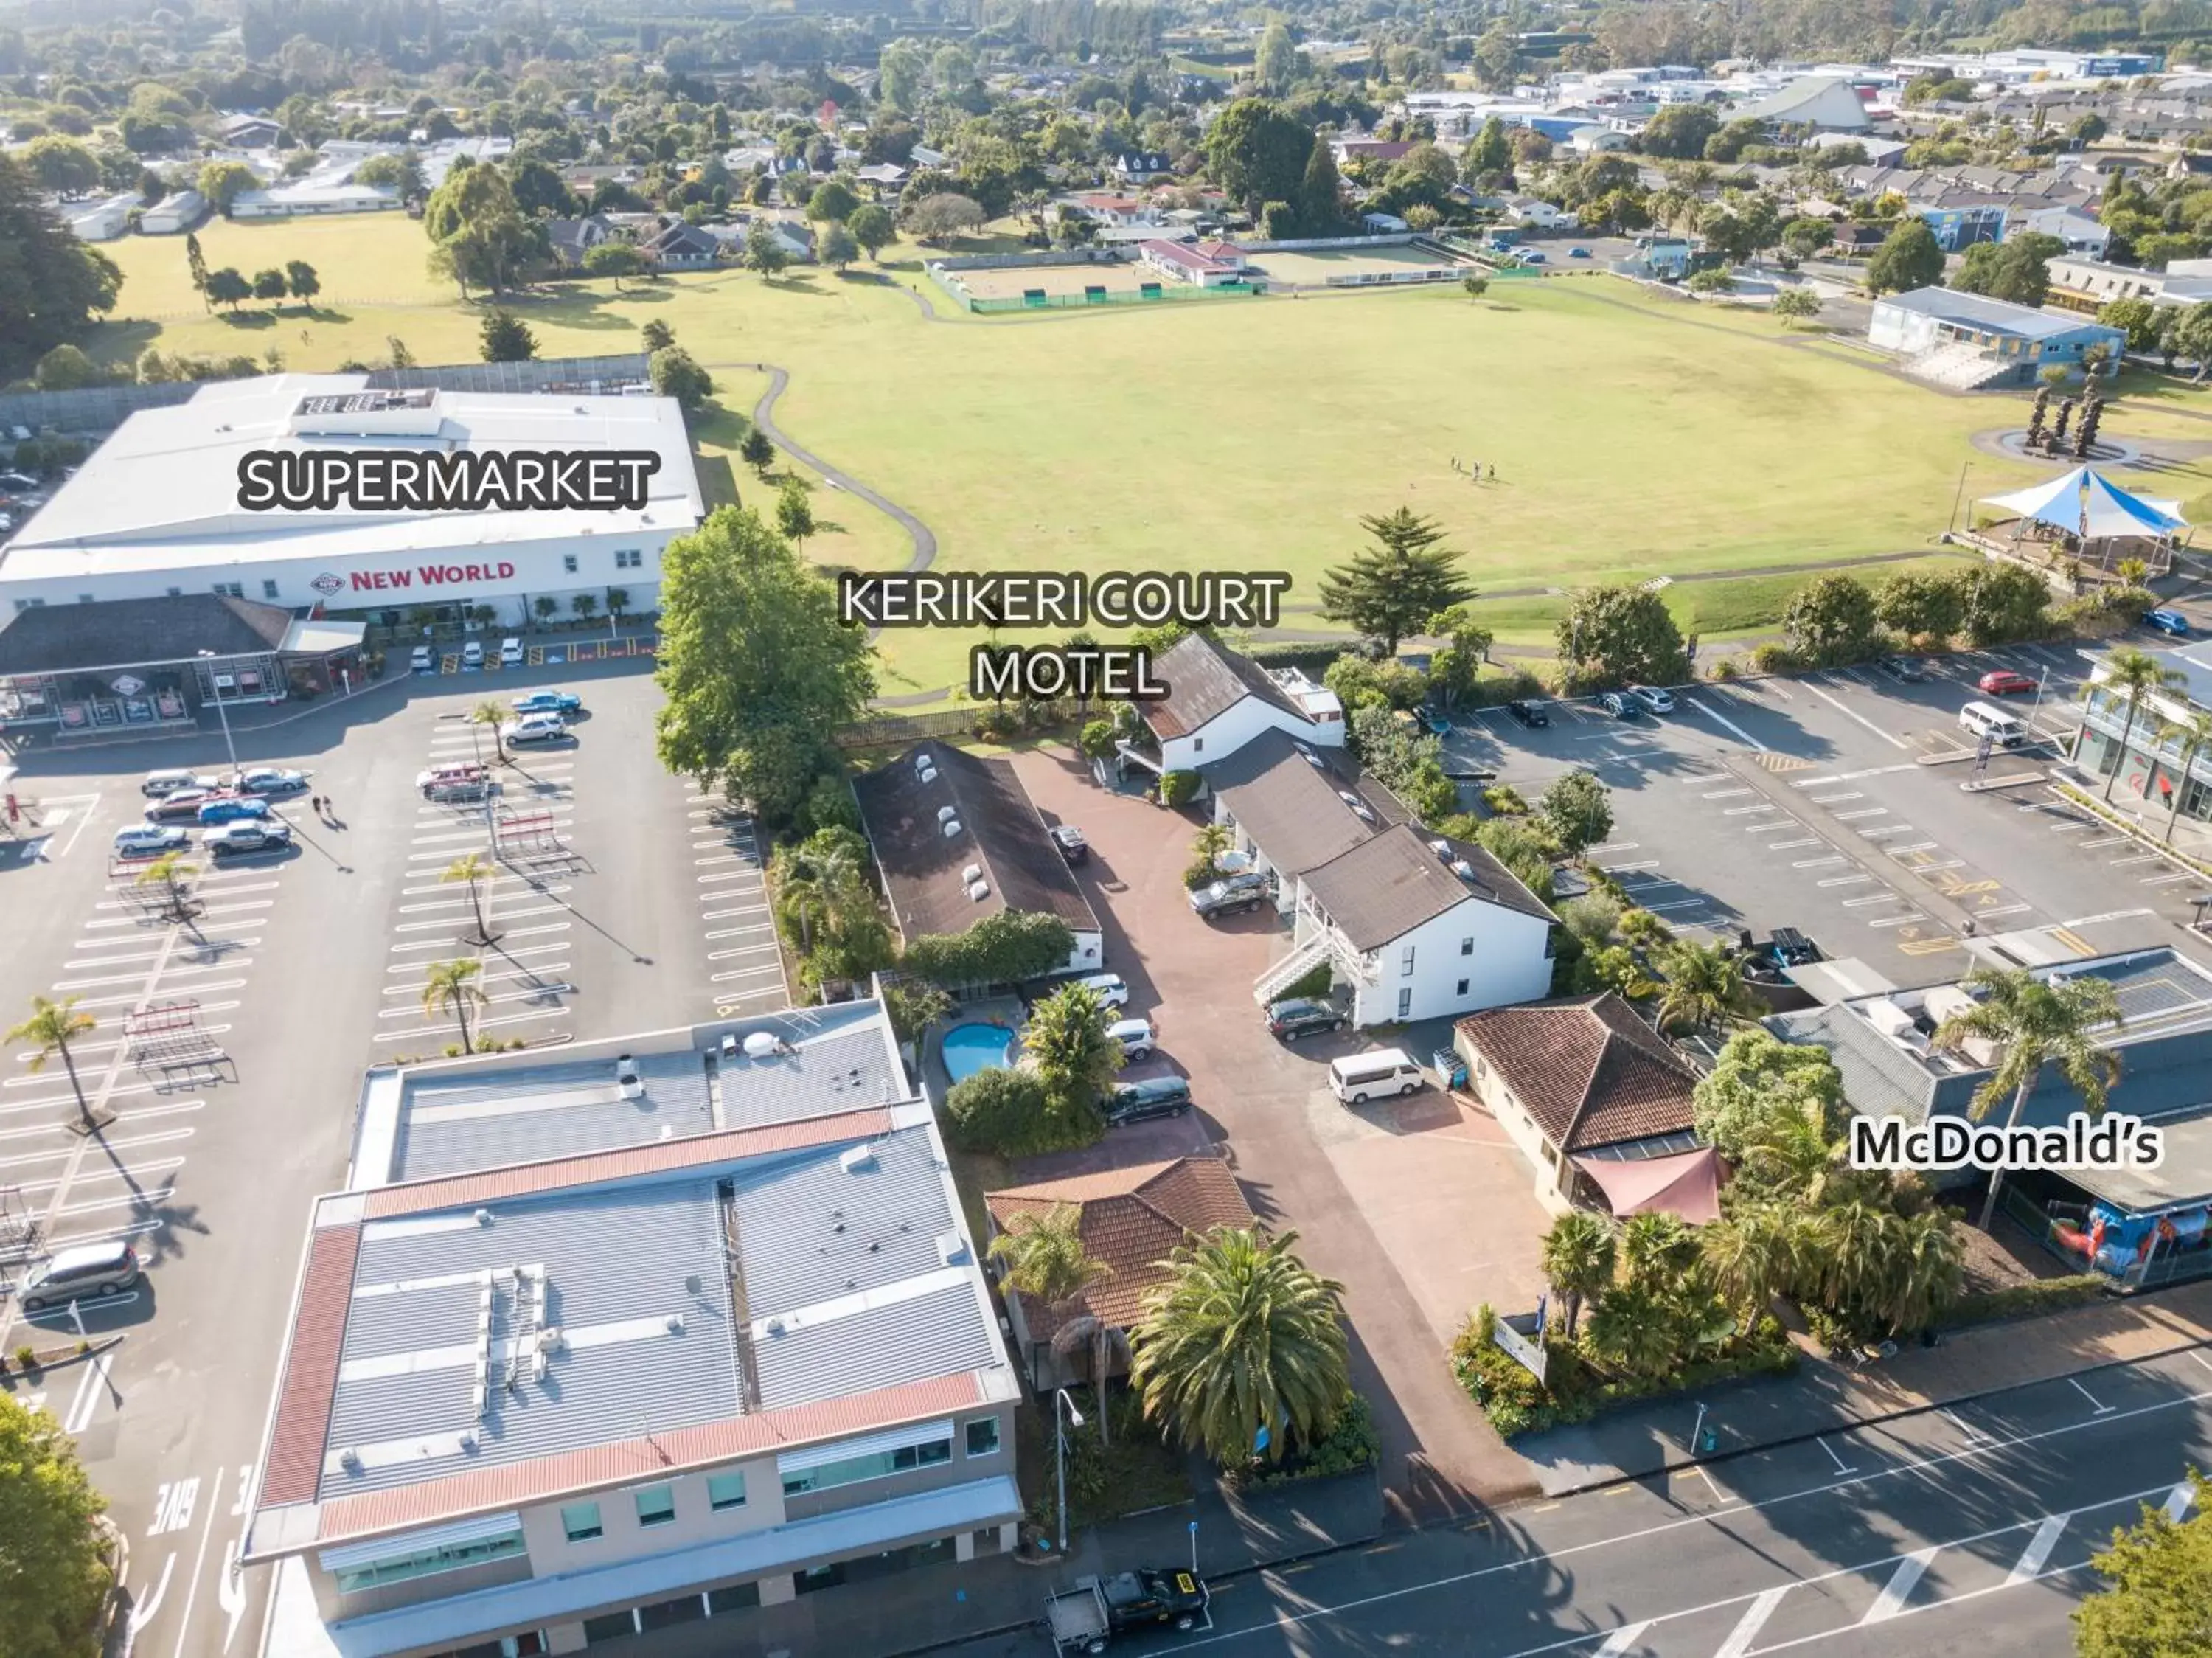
x,y
970,1048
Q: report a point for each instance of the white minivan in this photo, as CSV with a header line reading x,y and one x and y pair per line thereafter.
x,y
1980,720
1358,1077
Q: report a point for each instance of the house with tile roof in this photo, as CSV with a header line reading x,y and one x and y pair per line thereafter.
x,y
666,1330
1581,1076
1131,1219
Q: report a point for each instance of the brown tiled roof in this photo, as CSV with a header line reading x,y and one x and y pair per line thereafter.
x,y
1132,1218
1588,1069
696,1151
1000,830
1394,882
295,1467
1205,679
486,1489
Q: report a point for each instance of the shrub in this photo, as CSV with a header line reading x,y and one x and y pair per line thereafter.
x,y
26,1357
1774,657
2025,1300
1008,1110
1316,983
1000,949
1178,786
1505,801
1352,1445
1725,668
1592,919
1640,926
1203,873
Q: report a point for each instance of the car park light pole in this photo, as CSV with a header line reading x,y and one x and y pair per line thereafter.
x,y
1074,1417
223,713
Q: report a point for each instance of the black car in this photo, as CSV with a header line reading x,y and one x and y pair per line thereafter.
x,y
1134,1599
1069,839
1620,705
1301,1015
1150,1096
1531,715
1903,670
1231,893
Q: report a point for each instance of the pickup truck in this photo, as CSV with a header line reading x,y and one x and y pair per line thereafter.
x,y
1084,1618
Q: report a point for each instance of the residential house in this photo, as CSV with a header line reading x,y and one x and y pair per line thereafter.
x,y
1382,224
1379,152
1960,216
1131,1219
1134,167
956,838
176,212
1225,253
1290,806
1597,140
1117,209
884,178
681,247
1535,211
1218,699
1577,1078
250,132
571,238
666,1329
2082,234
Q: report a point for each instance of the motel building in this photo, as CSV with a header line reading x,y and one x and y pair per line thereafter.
x,y
155,512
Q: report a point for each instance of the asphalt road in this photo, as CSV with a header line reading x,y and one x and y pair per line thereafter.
x,y
307,966
1956,1531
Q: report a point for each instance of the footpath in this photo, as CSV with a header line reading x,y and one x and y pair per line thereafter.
x,y
1826,1397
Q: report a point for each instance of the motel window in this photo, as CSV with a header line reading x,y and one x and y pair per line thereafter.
x,y
84,599
628,558
568,563
29,604
1462,987
983,1436
1467,947
656,1505
176,592
1405,1004
1406,961
875,1464
580,1520
269,589
231,589
1198,745
725,1491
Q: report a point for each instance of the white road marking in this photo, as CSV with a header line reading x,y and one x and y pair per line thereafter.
x,y
2165,879
2037,1551
1878,898
1910,846
88,1391
1741,811
2096,1406
2145,858
1817,863
1845,881
1852,713
2003,910
2108,915
1829,800
1886,829
192,1585
143,1614
1723,794
1618,1643
1863,812
1898,1589
2178,1501
1906,920
1721,719
1792,846
1753,1619
1842,1466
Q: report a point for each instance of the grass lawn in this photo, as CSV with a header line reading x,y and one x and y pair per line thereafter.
x,y
1633,435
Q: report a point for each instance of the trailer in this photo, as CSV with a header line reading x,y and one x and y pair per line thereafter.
x,y
1076,1618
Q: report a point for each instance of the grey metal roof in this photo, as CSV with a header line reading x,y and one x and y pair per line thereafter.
x,y
1205,679
933,1335
812,1231
450,1127
2182,1180
1879,1079
1392,882
1995,316
846,1069
617,1263
139,632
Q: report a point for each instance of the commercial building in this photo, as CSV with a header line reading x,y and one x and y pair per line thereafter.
x,y
2011,341
2154,775
154,511
672,1329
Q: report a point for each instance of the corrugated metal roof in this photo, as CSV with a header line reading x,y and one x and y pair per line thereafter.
x,y
812,1232
844,1070
448,1127
888,1346
295,1464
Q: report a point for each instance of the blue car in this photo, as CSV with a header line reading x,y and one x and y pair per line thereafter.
x,y
2167,621
1578,253
229,811
549,702
1438,724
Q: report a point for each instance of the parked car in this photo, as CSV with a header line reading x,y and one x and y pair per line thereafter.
x,y
533,728
1135,1036
1578,253
147,840
1620,704
2005,682
1303,1016
1903,669
86,1272
1111,989
510,652
420,660
548,702
1069,839
464,780
1135,1599
247,835
1438,724
2171,622
1530,714
229,808
1152,1096
167,783
16,482
471,656
1654,698
1532,256
1229,895
1787,948
182,804
271,780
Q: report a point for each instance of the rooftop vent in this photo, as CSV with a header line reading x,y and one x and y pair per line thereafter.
x,y
469,1439
946,813
929,774
921,761
1313,759
1441,849
1360,809
1463,869
951,1248
552,1339
484,1217
951,827
675,1324
979,890
773,1324
349,1458
626,1077
853,1158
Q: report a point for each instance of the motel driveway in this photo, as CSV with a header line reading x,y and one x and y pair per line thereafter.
x,y
1419,1206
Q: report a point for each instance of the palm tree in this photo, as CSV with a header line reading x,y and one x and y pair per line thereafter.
x,y
1702,985
170,871
1796,1153
494,713
1066,1039
1242,1338
471,867
1751,1255
1632,1329
1209,843
1579,1254
2034,1022
1656,1249
453,984
2194,734
1928,1269
1046,1260
53,1026
2131,676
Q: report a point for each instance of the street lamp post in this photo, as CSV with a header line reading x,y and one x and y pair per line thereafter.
x,y
223,713
1062,1423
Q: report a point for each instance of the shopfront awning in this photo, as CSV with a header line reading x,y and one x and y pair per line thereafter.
x,y
317,636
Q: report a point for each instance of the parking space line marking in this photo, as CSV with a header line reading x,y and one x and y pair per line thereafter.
x,y
1753,1619
1678,904
1911,846
1721,719
1827,800
2030,1564
1878,898
1769,827
1898,1589
1741,811
2005,910
1641,863
1886,829
1618,1643
1613,846
1852,713
2145,857
1723,794
1791,845
1906,920
1863,812
1845,881
2166,879
1939,863
1817,863
2109,915
2104,840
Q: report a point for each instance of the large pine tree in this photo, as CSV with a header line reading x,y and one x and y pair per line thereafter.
x,y
52,285
1390,589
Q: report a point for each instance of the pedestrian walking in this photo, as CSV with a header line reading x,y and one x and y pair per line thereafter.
x,y
315,802
1493,472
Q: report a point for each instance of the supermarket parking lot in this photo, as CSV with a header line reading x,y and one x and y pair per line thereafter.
x,y
1833,802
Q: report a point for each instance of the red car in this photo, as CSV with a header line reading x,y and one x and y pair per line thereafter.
x,y
2003,682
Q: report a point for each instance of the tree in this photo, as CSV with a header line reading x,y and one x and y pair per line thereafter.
x,y
195,266
227,287
2193,337
1578,810
268,284
2034,1022
832,203
1579,1254
472,870
764,250
1046,1260
1793,303
2157,1598
1614,636
62,166
1475,286
755,449
57,1575
757,668
837,246
939,218
900,71
2018,270
2193,735
479,236
1243,1348
871,225
1831,620
583,604
451,987
64,369
674,373
1679,132
2138,319
50,284
616,259
2002,602
656,335
301,282
1066,1039
1007,948
171,872
1257,152
1488,154
506,339
1456,669
538,189
1320,191
1920,606
401,173
50,1028
1275,64
2132,677
794,512
1909,258
1757,1079
223,182
1390,589
1751,1256
1702,985
827,905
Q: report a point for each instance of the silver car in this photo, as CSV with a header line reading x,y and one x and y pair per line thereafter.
x,y
84,1273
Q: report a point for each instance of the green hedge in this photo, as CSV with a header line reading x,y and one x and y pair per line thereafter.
x,y
1351,1445
1314,984
2025,1299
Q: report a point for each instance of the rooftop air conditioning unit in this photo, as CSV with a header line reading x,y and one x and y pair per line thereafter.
x,y
951,827
951,1248
979,890
626,1077
946,813
552,1339
853,1158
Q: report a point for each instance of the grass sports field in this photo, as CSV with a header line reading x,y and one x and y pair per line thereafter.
x,y
1327,265
1633,435
1012,283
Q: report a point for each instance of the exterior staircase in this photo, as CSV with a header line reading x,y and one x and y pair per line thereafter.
x,y
1270,985
1961,365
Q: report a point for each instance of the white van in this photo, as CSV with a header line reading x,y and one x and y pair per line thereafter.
x,y
1980,720
1362,1076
